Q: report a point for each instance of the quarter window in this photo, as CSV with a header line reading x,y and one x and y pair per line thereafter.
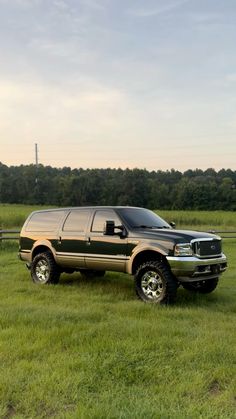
x,y
44,221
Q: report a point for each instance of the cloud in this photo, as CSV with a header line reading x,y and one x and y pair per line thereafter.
x,y
81,106
22,3
159,10
231,78
95,4
206,18
60,4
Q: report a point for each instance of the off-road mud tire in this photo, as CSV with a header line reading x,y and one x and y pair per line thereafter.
x,y
44,269
155,283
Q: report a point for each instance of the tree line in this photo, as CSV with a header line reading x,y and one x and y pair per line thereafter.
x,y
193,189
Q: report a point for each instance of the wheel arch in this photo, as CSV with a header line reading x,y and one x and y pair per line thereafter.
x,y
41,248
145,256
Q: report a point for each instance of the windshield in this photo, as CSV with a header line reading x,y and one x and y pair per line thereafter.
x,y
142,218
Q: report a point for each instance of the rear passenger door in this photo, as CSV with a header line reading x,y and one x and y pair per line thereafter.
x,y
72,246
105,252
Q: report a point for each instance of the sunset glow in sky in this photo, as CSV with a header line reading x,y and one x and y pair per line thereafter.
x,y
118,83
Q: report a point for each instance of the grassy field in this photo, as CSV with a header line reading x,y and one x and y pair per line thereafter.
x,y
215,220
13,216
90,349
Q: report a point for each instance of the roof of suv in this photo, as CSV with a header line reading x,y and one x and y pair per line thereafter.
x,y
89,207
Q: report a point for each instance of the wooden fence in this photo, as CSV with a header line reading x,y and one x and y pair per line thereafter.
x,y
8,235
226,234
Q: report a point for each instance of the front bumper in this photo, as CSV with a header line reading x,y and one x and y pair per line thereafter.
x,y
191,268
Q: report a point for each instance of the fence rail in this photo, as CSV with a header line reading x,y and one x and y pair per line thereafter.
x,y
220,232
8,235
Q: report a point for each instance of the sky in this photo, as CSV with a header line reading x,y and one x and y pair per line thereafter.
x,y
118,83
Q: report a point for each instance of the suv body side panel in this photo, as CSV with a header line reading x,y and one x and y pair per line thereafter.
x,y
137,247
70,250
71,246
106,252
29,245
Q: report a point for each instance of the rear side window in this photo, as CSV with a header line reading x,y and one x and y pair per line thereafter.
x,y
44,221
77,221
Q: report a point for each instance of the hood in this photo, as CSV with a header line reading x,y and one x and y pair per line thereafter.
x,y
177,236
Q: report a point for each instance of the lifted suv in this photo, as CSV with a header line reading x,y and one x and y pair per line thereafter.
x,y
136,241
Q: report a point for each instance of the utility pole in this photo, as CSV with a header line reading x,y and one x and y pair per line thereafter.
x,y
36,155
36,163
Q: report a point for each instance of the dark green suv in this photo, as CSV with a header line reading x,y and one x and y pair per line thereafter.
x,y
136,241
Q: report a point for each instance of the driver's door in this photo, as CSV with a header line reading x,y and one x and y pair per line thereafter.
x,y
105,252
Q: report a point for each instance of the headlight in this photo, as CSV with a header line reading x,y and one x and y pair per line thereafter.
x,y
183,249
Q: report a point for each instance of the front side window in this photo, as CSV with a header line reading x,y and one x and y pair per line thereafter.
x,y
100,218
77,221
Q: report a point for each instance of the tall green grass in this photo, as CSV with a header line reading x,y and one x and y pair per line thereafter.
x,y
12,216
214,220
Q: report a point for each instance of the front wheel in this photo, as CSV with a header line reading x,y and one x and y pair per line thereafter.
x,y
155,283
203,287
44,269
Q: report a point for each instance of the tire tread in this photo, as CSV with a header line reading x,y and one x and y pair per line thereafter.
x,y
170,281
54,269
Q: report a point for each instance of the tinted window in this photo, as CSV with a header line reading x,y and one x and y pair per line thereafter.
x,y
44,221
141,217
77,221
101,217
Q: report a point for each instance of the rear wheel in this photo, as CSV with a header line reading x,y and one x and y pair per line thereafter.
x,y
44,269
155,283
203,287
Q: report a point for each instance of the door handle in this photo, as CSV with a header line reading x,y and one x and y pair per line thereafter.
x,y
88,241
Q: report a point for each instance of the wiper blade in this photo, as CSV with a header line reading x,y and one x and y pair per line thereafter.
x,y
151,227
144,226
159,227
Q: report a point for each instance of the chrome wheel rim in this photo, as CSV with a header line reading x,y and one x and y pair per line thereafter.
x,y
152,285
42,271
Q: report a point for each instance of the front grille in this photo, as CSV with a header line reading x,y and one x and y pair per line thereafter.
x,y
207,248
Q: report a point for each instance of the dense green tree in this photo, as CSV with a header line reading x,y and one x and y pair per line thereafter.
x,y
193,189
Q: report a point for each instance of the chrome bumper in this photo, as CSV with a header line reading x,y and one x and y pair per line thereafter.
x,y
188,269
